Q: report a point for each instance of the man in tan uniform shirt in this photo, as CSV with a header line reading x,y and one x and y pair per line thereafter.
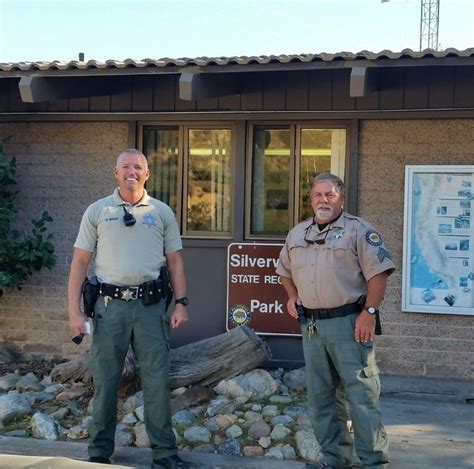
x,y
326,265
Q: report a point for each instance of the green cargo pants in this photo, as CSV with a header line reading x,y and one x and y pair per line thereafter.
x,y
332,358
147,328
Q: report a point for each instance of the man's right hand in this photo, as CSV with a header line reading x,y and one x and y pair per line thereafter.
x,y
291,306
77,324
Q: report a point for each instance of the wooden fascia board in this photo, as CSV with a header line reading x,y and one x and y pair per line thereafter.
x,y
194,86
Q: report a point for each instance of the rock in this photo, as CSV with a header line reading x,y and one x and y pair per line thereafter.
x,y
222,408
256,407
295,379
256,383
279,432
198,411
141,436
259,429
265,441
230,447
282,420
251,415
234,432
140,413
43,426
288,452
252,451
133,402
37,396
60,414
76,391
178,391
129,419
183,417
220,422
8,381
308,447
8,355
303,421
270,411
281,399
197,434
123,435
13,406
29,382
54,388
296,410
274,453
46,381
81,431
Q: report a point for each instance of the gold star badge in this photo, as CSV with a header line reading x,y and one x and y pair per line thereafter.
x,y
127,295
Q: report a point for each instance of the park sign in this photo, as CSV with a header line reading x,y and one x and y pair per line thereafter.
x,y
255,296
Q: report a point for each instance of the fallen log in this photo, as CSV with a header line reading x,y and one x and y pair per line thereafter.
x,y
203,363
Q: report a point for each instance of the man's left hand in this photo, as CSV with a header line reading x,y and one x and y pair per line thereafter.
x,y
365,327
179,317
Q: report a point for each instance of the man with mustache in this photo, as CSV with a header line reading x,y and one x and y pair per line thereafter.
x,y
133,236
335,266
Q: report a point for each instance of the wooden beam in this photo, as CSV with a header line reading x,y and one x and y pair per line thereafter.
x,y
362,82
193,86
41,89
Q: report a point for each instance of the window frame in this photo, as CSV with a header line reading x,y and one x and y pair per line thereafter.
x,y
295,127
183,128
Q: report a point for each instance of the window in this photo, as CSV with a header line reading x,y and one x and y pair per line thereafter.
x,y
196,162
284,160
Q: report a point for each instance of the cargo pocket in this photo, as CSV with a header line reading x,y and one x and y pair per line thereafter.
x,y
165,323
370,375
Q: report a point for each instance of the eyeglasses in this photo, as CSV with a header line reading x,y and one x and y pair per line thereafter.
x,y
128,217
315,241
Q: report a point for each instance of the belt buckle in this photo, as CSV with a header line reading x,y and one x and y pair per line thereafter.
x,y
131,293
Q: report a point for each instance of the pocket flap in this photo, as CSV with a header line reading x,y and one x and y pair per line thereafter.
x,y
370,371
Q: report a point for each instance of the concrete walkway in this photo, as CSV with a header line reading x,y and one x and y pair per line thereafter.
x,y
430,423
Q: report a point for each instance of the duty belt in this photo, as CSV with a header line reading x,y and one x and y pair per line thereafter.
x,y
330,313
127,293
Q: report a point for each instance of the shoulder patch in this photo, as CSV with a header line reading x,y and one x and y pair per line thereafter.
x,y
373,238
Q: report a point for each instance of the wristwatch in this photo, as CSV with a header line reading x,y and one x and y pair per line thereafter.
x,y
182,301
371,309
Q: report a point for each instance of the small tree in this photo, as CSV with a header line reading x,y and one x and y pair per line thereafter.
x,y
21,253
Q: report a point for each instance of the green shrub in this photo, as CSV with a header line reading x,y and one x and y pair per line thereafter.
x,y
21,253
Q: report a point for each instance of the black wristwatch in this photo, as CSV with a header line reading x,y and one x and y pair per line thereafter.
x,y
182,301
371,309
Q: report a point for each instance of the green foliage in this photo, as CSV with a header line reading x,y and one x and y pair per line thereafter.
x,y
21,253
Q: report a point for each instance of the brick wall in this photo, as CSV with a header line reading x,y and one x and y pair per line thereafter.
x,y
413,343
61,168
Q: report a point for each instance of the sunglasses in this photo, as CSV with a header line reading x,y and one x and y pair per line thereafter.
x,y
314,241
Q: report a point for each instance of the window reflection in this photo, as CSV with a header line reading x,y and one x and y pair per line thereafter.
x,y
209,180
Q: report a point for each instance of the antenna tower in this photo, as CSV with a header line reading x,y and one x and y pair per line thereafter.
x,y
429,24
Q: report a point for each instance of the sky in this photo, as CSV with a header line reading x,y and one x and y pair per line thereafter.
x,y
47,30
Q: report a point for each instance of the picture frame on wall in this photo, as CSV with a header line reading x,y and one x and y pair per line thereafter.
x,y
438,240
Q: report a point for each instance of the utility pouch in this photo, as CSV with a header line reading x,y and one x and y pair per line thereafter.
x,y
152,292
90,293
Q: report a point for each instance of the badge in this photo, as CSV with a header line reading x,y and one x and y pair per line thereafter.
x,y
149,220
339,234
373,238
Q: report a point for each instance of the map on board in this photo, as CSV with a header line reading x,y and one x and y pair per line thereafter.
x,y
442,236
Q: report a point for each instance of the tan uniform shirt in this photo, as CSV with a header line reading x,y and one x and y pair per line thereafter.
x,y
128,255
334,273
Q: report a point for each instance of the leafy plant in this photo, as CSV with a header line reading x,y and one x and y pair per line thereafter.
x,y
21,253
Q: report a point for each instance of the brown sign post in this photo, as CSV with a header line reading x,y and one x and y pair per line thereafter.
x,y
255,295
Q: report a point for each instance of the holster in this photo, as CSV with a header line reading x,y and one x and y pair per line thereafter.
x,y
167,290
90,293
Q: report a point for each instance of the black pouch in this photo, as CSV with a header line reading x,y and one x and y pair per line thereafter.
x,y
152,292
90,293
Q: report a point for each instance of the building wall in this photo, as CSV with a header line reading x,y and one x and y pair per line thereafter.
x,y
412,343
64,166
61,168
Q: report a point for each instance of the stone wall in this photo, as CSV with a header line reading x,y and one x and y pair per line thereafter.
x,y
413,343
61,168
